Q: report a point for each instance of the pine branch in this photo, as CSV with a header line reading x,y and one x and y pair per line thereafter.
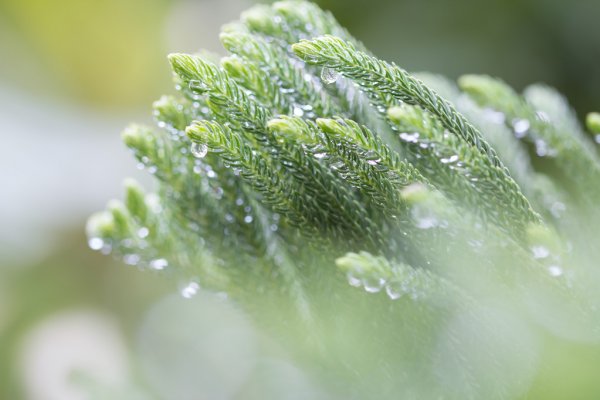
x,y
379,77
376,273
273,64
276,160
577,161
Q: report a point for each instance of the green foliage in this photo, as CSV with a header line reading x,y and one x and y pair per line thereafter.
x,y
295,151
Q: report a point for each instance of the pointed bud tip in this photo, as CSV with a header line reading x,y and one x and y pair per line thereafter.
x,y
542,235
130,183
232,64
415,193
593,122
347,262
175,57
303,48
229,37
328,125
99,225
197,131
132,135
283,125
396,113
257,16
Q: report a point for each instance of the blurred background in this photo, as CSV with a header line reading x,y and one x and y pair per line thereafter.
x,y
73,73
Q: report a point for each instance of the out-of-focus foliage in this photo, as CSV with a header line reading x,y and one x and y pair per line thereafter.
x,y
523,41
400,237
80,56
75,48
69,279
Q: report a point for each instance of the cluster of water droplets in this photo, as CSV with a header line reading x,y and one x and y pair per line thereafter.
x,y
146,164
138,248
522,128
133,251
303,111
189,289
246,212
419,146
551,262
99,244
403,281
543,149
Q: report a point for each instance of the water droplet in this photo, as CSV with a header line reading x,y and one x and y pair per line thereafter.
x,y
542,149
337,165
373,284
520,127
328,75
159,264
143,232
96,243
426,222
555,270
410,137
248,219
127,242
106,249
248,125
449,160
540,252
353,280
394,290
199,150
131,259
190,290
298,112
197,86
